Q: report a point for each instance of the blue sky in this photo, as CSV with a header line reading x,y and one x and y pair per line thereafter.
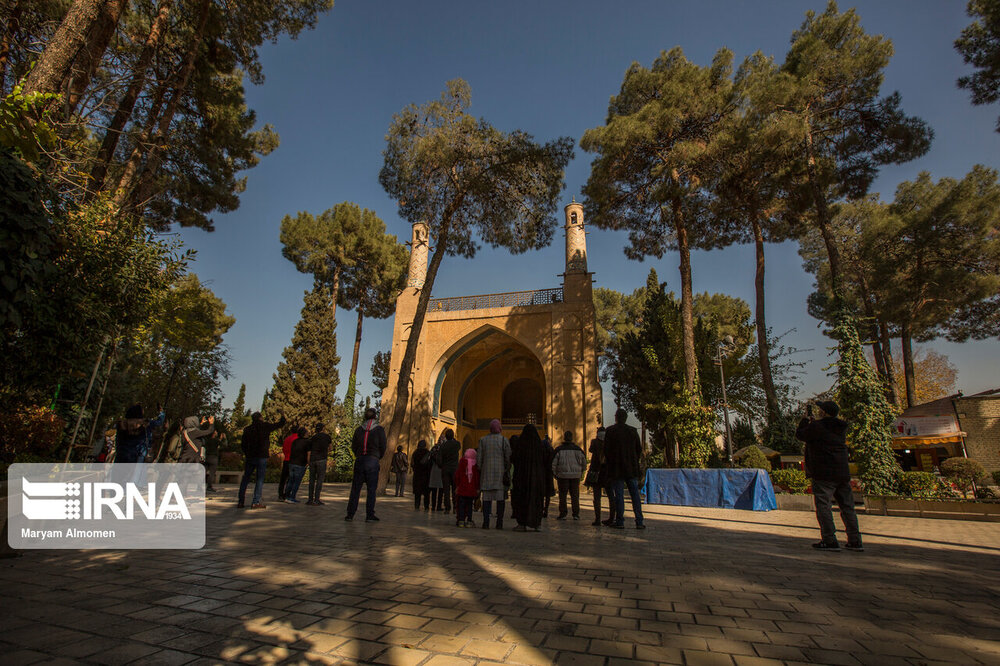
x,y
548,68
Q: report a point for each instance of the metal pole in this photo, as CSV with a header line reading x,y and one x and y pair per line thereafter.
x,y
86,399
725,409
100,400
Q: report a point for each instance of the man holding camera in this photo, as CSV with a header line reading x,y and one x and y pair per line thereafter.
x,y
825,438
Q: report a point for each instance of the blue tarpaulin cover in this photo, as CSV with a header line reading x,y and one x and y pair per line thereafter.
x,y
725,488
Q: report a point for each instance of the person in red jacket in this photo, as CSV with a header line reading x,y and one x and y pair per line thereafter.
x,y
286,450
466,487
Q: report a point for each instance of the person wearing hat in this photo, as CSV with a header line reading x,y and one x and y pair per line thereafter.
x,y
825,438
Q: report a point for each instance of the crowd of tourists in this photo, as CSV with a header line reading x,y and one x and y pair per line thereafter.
x,y
527,469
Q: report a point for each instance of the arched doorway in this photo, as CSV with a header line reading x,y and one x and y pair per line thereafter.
x,y
489,376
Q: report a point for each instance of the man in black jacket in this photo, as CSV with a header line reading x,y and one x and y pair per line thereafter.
x,y
825,437
369,447
256,442
623,450
319,449
449,454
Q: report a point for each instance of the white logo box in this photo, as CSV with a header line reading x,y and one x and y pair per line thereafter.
x,y
106,506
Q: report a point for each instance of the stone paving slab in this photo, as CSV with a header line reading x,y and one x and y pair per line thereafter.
x,y
298,584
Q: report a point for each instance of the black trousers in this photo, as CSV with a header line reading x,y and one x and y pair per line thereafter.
x,y
572,487
283,480
824,494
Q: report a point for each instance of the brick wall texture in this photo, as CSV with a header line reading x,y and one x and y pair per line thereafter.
x,y
979,417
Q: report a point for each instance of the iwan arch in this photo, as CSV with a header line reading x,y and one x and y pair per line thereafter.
x,y
522,357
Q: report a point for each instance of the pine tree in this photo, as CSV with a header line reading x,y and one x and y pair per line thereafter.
x,y
867,411
307,378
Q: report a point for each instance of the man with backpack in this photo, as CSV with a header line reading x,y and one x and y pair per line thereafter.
x,y
400,463
368,445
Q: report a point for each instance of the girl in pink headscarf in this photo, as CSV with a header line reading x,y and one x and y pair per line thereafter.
x,y
466,487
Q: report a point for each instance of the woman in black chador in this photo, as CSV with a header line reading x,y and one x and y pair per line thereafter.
x,y
527,494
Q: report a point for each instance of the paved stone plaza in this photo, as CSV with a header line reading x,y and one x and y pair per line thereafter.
x,y
297,584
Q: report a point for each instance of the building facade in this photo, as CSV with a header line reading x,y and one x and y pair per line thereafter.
x,y
521,357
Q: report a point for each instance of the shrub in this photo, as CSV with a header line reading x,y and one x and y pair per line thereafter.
x,y
793,481
963,472
230,460
996,477
31,430
754,458
918,484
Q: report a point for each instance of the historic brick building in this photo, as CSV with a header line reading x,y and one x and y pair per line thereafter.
x,y
522,357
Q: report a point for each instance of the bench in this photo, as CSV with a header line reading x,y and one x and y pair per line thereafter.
x,y
228,476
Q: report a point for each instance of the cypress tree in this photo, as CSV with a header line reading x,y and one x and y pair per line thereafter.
x,y
867,411
307,378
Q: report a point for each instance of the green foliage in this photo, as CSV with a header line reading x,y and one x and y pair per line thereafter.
x,y
996,477
918,484
868,413
963,472
944,288
24,124
176,359
847,130
306,379
29,430
743,434
779,434
29,237
754,458
380,374
979,45
465,178
109,274
238,419
692,424
792,481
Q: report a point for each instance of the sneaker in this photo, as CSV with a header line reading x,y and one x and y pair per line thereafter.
x,y
560,517
348,518
608,523
371,519
856,547
310,503
281,498
258,505
825,545
520,528
576,517
318,502
291,500
640,526
596,523
241,505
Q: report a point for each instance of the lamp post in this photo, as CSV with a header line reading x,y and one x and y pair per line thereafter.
x,y
721,345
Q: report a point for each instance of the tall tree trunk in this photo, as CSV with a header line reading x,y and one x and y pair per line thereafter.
x,y
908,375
134,170
352,380
823,218
399,409
54,66
890,367
9,34
90,55
876,340
763,346
74,53
127,103
687,301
